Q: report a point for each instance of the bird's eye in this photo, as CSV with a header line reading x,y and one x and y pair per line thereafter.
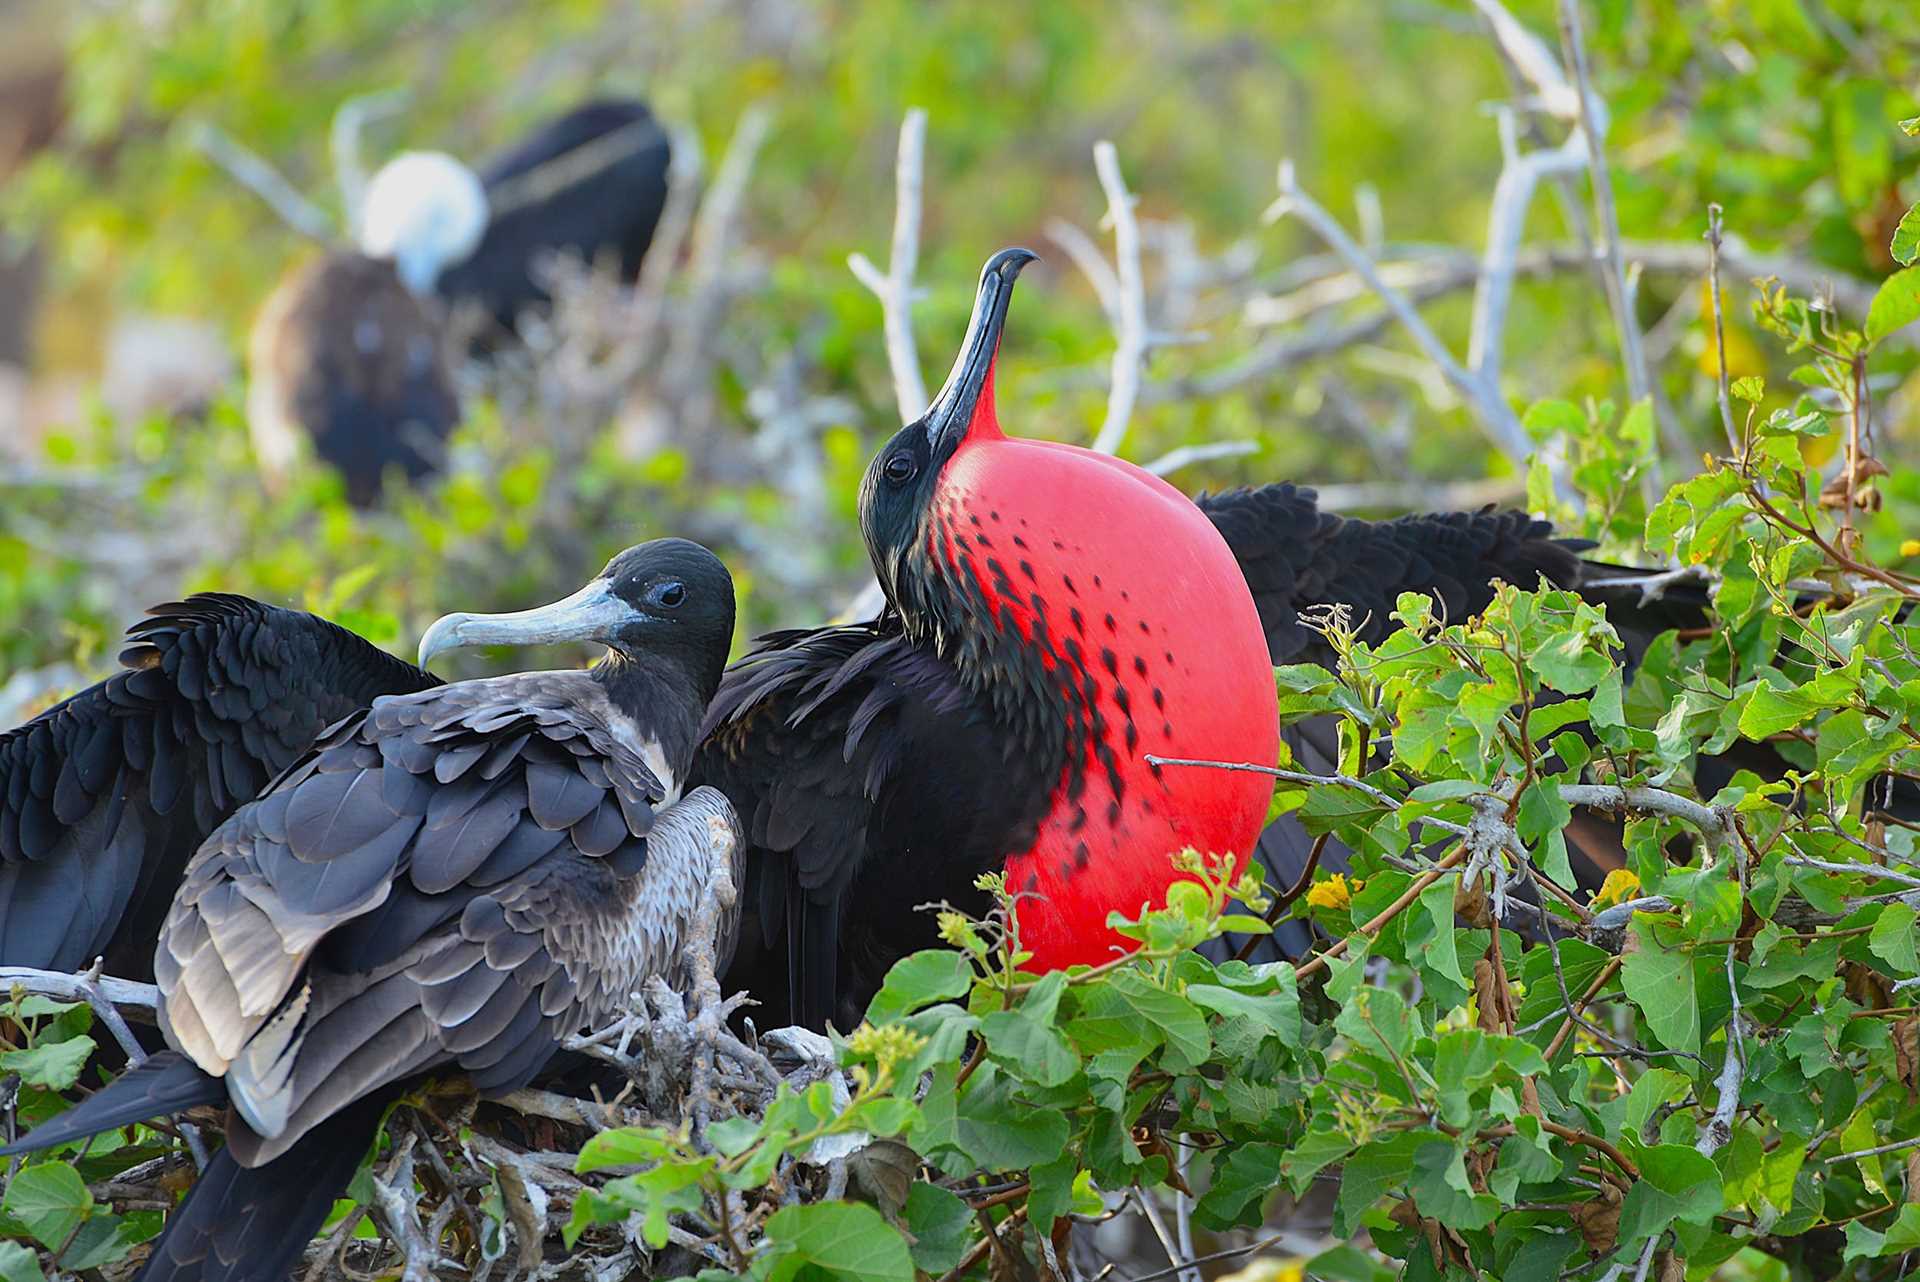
x,y
900,468
668,595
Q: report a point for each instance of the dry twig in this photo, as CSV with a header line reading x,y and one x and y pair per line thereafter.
x,y
895,289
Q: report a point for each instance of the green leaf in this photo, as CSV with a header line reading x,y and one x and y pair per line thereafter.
x,y
1430,940
1892,938
941,1224
1316,1150
1000,1133
1240,1185
1770,710
19,1263
733,1136
841,1240
1901,1236
1278,1012
1375,1168
1378,1019
1906,238
1658,977
1051,1194
1178,1021
1029,1048
920,979
1895,304
1440,1188
104,1239
1547,419
1676,1182
55,1066
50,1200
671,1188
629,1146
1751,389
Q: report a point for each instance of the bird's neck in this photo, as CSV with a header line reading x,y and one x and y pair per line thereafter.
x,y
661,698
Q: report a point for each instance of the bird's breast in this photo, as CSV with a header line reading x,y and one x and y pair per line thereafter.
x,y
1143,634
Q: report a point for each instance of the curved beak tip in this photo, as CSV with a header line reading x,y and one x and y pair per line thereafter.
x,y
1008,264
441,636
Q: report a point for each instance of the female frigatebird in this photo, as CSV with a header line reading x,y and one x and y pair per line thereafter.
x,y
449,881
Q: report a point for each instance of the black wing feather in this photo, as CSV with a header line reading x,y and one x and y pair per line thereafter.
x,y
610,208
847,752
104,797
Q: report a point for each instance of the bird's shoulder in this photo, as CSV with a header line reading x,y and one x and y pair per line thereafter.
x,y
826,683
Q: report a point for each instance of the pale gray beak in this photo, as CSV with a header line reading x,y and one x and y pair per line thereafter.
x,y
593,613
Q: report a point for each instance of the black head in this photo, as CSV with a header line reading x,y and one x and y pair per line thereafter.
x,y
664,603
901,478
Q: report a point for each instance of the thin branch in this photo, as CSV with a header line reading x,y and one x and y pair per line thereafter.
x,y
399,1206
1520,177
81,987
1495,415
1092,264
1593,127
572,167
691,349
1187,455
1131,353
1183,1265
895,289
676,223
1895,1147
253,172
1430,274
343,141
1713,238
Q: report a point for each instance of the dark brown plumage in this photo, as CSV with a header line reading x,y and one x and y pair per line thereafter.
x,y
343,357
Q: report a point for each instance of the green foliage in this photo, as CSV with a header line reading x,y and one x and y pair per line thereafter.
x,y
1727,1070
1744,1042
45,1044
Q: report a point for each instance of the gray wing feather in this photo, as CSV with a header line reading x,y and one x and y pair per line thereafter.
x,y
332,938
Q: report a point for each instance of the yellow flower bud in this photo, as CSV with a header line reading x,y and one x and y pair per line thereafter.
x,y
1620,886
1331,892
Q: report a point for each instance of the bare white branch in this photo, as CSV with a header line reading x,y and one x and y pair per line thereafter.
x,y
895,288
343,141
1534,61
1092,264
1131,353
253,172
1495,415
1520,176
1593,127
1187,455
691,351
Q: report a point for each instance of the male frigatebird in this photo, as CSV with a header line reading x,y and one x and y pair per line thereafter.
x,y
448,881
1053,616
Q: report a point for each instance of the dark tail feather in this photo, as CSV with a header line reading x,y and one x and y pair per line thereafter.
x,y
166,1083
252,1225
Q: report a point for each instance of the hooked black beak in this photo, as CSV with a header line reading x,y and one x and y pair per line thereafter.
x,y
593,613
951,415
